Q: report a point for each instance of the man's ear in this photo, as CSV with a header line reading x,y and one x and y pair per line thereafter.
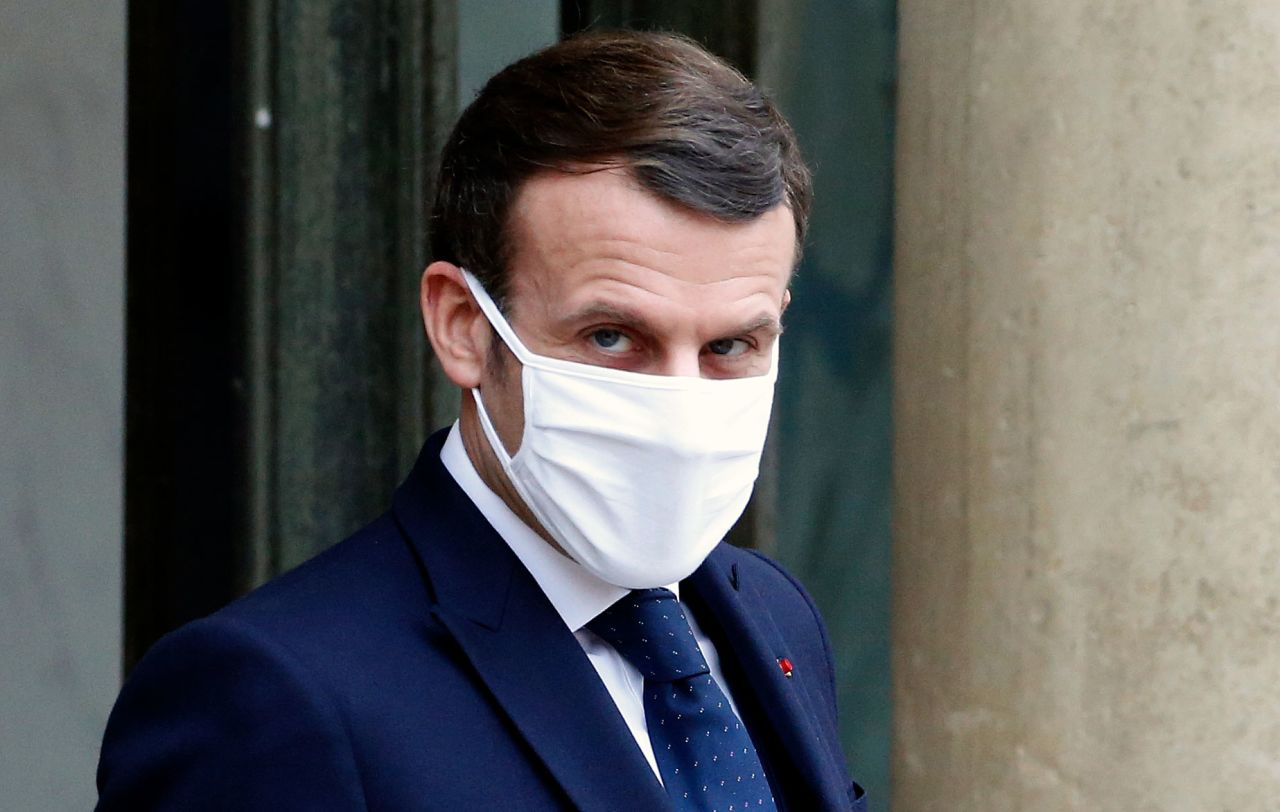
x,y
457,328
786,299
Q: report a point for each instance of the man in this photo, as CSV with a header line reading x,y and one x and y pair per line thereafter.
x,y
546,618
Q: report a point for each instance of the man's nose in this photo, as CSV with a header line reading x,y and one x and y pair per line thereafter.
x,y
683,363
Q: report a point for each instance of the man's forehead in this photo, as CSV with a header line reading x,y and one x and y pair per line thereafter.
x,y
561,218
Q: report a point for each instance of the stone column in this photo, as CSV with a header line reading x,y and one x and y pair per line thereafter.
x,y
1087,550
62,337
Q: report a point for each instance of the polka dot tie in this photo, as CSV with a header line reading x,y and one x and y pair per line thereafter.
x,y
705,757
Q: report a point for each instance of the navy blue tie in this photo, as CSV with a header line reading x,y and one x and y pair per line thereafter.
x,y
705,757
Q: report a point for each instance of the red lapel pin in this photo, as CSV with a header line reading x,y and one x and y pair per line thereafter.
x,y
786,666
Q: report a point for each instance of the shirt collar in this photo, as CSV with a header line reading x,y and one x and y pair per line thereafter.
x,y
577,595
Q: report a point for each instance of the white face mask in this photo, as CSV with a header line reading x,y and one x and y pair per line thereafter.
x,y
637,477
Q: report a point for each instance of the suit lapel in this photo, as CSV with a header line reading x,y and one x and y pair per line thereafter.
x,y
557,702
520,648
754,644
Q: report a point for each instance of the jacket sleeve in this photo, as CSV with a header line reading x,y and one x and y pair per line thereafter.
x,y
217,717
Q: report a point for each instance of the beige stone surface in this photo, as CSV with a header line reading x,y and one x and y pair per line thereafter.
x,y
1087,550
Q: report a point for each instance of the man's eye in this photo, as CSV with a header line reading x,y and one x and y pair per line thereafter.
x,y
728,346
611,340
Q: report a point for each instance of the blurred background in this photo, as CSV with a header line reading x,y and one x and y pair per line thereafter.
x,y
1039,307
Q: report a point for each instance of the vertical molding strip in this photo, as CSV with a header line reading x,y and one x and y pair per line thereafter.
x,y
260,558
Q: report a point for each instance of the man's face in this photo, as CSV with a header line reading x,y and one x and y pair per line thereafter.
x,y
606,273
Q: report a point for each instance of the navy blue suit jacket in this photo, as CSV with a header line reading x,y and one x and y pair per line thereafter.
x,y
417,665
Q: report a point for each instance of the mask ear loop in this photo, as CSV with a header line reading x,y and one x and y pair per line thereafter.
x,y
513,342
509,337
507,334
490,433
495,317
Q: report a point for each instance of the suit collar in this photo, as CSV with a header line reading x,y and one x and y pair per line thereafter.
x,y
738,608
519,646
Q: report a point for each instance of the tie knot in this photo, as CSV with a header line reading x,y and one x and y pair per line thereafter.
x,y
649,629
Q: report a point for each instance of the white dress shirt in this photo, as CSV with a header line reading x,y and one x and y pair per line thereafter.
x,y
577,595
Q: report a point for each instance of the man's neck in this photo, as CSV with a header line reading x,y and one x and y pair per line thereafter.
x,y
490,471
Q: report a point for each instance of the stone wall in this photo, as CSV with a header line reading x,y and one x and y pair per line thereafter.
x,y
1087,385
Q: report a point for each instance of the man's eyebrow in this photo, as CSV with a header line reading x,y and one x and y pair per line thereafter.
x,y
607,312
625,318
764,321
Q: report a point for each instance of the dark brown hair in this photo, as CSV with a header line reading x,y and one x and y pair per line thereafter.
x,y
687,125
